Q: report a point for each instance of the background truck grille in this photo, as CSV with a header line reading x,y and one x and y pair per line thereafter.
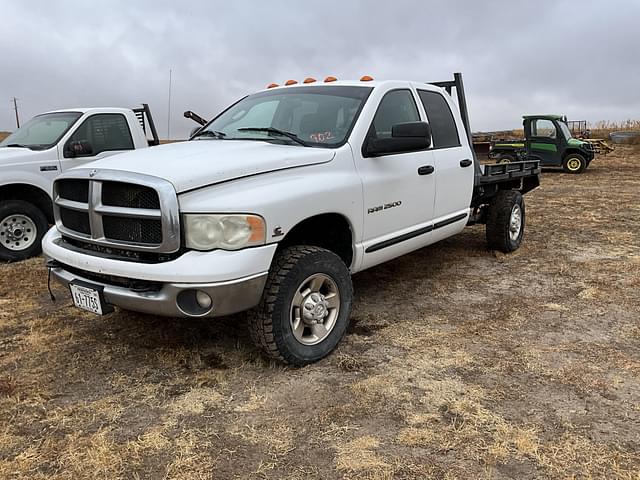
x,y
139,214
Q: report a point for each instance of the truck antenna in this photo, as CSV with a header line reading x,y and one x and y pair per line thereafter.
x,y
169,110
15,107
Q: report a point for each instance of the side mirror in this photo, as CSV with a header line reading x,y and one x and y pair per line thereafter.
x,y
405,137
78,148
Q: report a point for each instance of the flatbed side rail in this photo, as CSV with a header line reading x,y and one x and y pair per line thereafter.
x,y
497,172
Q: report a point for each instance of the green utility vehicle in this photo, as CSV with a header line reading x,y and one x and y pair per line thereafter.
x,y
548,139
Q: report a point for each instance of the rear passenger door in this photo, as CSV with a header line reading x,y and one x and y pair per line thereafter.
x,y
453,163
98,136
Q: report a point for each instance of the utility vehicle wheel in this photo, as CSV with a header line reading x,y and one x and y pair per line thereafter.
x,y
506,158
22,226
305,306
505,221
574,163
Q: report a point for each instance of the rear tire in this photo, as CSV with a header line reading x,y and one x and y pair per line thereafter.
x,y
505,221
506,158
305,307
574,163
22,226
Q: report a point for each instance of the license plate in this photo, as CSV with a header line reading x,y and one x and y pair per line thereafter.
x,y
87,297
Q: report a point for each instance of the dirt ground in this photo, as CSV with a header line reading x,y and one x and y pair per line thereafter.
x,y
459,363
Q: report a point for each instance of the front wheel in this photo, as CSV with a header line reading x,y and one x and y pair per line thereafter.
x,y
505,221
22,226
305,307
574,163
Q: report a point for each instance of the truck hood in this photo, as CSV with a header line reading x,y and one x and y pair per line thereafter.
x,y
198,163
11,155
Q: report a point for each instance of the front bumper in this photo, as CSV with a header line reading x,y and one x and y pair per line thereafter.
x,y
175,299
233,280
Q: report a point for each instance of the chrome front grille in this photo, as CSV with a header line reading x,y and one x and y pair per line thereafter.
x,y
117,209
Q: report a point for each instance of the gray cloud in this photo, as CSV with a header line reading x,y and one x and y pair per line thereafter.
x,y
575,57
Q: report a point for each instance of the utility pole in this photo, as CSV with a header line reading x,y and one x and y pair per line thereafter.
x,y
169,110
15,107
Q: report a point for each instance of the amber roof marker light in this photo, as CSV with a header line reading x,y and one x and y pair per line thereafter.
x,y
330,79
366,78
309,80
273,85
290,82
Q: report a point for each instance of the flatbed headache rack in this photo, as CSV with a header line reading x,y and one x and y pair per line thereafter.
x,y
522,176
141,113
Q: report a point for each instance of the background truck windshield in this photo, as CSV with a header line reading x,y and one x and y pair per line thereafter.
x,y
42,131
320,116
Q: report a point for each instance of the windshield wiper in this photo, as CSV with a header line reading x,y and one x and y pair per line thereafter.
x,y
210,133
17,145
276,131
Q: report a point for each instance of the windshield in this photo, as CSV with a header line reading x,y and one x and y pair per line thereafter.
x,y
43,131
565,130
310,116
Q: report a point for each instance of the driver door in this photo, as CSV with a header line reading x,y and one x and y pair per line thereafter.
x,y
399,189
98,136
544,140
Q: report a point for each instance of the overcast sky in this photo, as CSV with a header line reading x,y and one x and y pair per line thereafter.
x,y
579,58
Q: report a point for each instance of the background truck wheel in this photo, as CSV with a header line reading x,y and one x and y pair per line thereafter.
x,y
22,226
305,306
574,163
505,221
505,158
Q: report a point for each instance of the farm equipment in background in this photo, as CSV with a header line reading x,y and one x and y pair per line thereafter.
x,y
549,139
580,131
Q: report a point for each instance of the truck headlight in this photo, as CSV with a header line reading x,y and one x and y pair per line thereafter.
x,y
228,232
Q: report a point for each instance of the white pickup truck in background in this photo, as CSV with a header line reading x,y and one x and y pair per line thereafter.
x,y
272,205
51,143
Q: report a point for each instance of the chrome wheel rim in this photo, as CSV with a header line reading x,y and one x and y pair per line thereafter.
x,y
314,309
515,222
17,232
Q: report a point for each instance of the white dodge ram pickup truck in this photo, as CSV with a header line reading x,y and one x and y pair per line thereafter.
x,y
50,143
275,203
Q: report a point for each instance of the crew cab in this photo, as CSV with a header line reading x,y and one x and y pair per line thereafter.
x,y
273,204
51,143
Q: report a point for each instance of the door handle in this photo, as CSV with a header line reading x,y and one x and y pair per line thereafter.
x,y
426,170
465,163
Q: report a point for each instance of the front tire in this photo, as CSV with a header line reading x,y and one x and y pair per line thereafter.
x,y
574,163
22,226
505,221
305,307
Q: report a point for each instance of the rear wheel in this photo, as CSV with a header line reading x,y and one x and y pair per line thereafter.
x,y
574,163
506,158
505,221
305,307
22,226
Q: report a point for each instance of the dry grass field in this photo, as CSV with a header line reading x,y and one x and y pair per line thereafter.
x,y
459,363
